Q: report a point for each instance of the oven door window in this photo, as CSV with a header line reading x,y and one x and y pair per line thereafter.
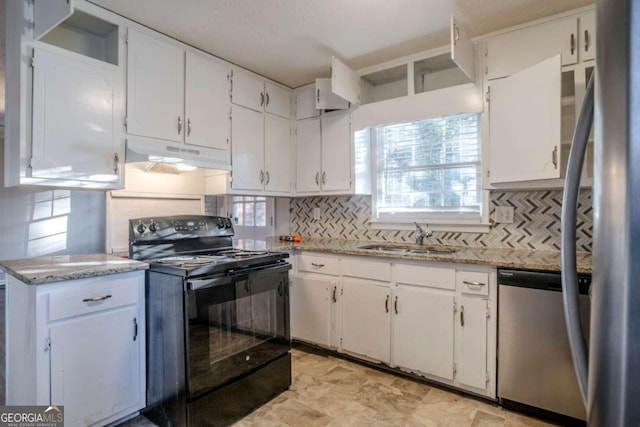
x,y
236,327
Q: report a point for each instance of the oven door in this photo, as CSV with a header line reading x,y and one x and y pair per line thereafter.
x,y
235,324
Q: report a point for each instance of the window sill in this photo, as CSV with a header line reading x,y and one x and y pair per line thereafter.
x,y
459,227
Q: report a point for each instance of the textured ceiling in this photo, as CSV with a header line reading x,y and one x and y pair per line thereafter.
x,y
291,41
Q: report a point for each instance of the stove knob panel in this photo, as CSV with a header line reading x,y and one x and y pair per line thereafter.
x,y
141,228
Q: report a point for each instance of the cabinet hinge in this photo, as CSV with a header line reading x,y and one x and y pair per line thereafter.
x,y
230,177
455,308
488,173
33,59
47,344
126,38
340,342
488,97
125,124
230,77
455,370
341,291
488,311
486,377
29,162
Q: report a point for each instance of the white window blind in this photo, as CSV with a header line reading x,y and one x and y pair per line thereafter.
x,y
429,170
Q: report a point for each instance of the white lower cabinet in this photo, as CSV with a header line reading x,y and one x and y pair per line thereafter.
x,y
366,320
80,344
436,320
423,330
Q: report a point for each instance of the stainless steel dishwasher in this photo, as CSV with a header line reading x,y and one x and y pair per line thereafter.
x,y
535,369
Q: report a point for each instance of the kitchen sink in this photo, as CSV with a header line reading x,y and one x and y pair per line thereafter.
x,y
409,249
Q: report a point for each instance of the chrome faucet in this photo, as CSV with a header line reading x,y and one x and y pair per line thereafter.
x,y
421,233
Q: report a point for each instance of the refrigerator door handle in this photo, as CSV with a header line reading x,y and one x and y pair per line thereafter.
x,y
570,293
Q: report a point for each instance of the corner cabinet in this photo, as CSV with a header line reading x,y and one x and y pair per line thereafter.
x,y
177,101
65,85
79,343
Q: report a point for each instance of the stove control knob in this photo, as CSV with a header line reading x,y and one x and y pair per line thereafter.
x,y
220,223
152,227
141,228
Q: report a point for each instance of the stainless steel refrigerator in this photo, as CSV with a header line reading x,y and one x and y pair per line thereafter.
x,y
609,369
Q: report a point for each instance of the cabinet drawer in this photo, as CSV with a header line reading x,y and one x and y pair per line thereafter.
x,y
424,275
366,269
469,282
92,295
318,264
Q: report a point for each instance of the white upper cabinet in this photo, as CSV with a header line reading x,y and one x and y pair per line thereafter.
x,y
306,103
463,50
588,35
308,155
48,14
516,50
254,92
83,140
155,88
345,83
247,154
336,152
525,124
277,165
206,108
326,99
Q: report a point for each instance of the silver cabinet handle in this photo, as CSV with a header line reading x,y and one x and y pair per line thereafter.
x,y
135,328
468,282
395,305
462,315
317,176
261,99
116,163
386,304
324,178
573,43
317,265
456,32
179,125
97,299
554,157
318,95
261,176
267,104
587,42
268,177
333,297
188,127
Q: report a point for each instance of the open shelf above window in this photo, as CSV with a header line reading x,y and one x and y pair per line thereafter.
x,y
384,84
437,72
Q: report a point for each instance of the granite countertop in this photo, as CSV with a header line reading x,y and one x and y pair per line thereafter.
x,y
504,258
37,271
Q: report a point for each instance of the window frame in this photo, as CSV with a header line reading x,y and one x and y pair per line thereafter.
x,y
437,221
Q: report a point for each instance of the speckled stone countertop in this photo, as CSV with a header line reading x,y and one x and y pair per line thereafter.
x,y
505,258
37,271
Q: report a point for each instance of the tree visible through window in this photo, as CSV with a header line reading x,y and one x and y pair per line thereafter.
x,y
249,211
428,169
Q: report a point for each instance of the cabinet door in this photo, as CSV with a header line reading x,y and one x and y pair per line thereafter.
x,y
95,366
423,330
471,342
247,149
463,50
588,36
207,103
277,100
155,88
514,51
277,154
366,320
306,103
345,83
48,14
525,124
308,151
336,151
247,91
83,140
326,99
311,310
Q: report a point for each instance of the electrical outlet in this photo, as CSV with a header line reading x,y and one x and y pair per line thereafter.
x,y
316,214
503,214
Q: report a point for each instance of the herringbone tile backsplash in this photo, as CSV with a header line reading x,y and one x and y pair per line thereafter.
x,y
536,221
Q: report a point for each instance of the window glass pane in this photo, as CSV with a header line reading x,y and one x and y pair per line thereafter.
x,y
260,214
249,214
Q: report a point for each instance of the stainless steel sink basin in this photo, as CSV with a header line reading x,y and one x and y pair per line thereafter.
x,y
409,249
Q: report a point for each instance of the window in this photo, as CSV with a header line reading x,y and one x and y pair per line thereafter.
x,y
429,171
249,211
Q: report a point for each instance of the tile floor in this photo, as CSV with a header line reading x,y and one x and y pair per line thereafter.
x,y
330,391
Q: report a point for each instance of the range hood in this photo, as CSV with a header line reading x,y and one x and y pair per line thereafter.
x,y
157,151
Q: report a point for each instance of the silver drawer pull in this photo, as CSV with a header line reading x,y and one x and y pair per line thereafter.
x,y
317,265
96,299
466,282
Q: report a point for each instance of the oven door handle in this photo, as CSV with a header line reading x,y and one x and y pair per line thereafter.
x,y
195,284
259,270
